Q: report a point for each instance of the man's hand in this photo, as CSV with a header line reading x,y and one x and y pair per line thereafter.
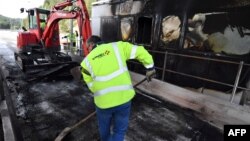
x,y
76,73
150,73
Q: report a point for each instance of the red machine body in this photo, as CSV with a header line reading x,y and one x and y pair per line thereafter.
x,y
39,46
25,39
48,37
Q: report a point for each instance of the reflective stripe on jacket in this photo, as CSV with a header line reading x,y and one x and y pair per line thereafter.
x,y
109,79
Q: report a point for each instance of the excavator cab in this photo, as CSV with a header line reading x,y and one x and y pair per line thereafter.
x,y
37,21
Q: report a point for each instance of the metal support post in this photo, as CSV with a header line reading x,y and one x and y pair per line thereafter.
x,y
164,66
237,81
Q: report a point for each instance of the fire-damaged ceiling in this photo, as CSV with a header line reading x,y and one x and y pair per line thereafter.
x,y
217,5
206,4
222,3
200,3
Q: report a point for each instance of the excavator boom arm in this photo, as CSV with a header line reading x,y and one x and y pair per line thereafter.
x,y
79,13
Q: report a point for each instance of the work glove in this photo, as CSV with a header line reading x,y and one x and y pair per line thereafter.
x,y
150,73
76,73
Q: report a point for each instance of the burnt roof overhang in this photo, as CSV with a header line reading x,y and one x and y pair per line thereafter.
x,y
219,4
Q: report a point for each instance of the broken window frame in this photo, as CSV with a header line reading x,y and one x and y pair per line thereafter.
x,y
137,34
173,45
131,36
230,21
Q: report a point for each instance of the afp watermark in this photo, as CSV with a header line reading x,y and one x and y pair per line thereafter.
x,y
237,132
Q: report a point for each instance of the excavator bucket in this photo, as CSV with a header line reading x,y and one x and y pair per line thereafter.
x,y
40,65
60,71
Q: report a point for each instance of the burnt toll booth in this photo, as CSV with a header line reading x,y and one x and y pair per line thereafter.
x,y
197,44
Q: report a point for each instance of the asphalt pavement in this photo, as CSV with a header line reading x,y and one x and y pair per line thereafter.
x,y
43,109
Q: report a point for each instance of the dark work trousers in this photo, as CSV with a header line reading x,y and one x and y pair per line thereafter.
x,y
113,122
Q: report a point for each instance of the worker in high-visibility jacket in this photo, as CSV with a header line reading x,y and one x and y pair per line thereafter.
x,y
106,74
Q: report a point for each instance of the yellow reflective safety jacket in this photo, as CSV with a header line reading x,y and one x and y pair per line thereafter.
x,y
108,78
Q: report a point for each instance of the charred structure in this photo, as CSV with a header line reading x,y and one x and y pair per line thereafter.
x,y
195,43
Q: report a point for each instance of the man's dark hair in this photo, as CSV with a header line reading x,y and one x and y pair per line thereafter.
x,y
94,39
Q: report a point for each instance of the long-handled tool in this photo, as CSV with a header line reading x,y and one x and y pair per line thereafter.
x,y
137,84
67,130
141,92
143,80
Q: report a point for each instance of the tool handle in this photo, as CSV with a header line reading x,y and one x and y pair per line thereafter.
x,y
137,84
144,79
67,130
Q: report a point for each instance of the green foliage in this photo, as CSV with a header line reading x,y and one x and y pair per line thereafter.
x,y
89,5
65,24
48,4
9,23
25,22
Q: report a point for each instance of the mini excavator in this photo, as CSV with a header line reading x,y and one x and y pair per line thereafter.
x,y
38,48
